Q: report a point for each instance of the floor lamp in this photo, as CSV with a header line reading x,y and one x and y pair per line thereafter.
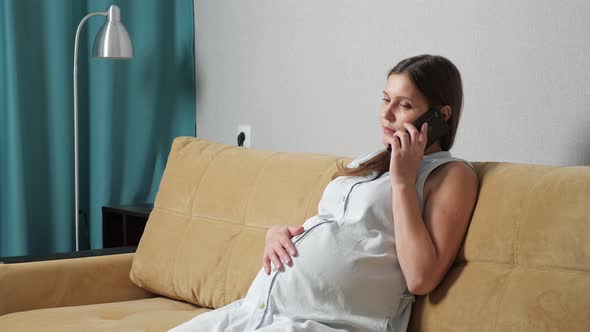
x,y
112,42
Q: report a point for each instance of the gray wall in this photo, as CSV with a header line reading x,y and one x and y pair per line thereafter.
x,y
308,75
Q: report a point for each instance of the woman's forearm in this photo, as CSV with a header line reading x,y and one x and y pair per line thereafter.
x,y
415,249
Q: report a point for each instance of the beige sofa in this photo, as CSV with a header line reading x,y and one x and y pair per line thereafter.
x,y
524,266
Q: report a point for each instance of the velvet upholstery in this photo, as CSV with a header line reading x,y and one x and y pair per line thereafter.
x,y
204,239
150,314
524,264
67,282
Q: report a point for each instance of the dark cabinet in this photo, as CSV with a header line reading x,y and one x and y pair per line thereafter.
x,y
122,225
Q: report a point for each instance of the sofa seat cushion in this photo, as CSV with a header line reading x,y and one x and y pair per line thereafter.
x,y
153,314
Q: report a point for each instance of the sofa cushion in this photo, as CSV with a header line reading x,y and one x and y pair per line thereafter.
x,y
154,314
203,241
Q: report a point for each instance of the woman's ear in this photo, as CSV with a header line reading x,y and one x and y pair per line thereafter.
x,y
446,112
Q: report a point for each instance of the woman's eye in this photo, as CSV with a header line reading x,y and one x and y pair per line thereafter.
x,y
405,106
384,99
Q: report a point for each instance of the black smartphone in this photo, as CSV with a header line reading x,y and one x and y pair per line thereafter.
x,y
437,126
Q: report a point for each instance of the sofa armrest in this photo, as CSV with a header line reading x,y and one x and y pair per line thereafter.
x,y
67,282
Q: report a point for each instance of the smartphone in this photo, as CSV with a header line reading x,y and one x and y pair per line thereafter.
x,y
437,126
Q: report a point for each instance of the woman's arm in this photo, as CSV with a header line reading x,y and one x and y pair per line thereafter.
x,y
427,247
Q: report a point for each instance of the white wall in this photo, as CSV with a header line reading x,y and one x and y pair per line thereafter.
x,y
308,75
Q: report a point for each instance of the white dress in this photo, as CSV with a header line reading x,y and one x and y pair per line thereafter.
x,y
346,275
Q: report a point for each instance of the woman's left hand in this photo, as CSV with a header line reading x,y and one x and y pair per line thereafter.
x,y
407,151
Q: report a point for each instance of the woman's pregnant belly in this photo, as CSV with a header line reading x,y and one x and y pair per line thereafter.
x,y
341,270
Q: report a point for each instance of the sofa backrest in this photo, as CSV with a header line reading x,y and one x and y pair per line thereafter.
x,y
525,263
203,241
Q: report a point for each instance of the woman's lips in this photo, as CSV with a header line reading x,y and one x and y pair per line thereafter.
x,y
387,130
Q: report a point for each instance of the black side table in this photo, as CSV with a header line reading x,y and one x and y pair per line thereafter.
x,y
123,225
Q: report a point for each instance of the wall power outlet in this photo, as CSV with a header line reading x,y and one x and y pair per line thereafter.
x,y
247,130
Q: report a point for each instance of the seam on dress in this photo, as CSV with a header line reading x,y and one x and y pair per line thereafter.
x,y
278,271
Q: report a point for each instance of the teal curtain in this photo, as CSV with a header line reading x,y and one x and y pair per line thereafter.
x,y
129,112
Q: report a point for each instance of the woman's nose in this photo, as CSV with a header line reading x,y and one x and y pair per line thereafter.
x,y
387,115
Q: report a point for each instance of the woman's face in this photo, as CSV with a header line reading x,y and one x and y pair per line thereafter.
x,y
402,102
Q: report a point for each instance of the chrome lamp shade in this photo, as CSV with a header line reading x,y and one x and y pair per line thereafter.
x,y
112,40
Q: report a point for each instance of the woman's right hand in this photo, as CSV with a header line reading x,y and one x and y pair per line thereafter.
x,y
279,244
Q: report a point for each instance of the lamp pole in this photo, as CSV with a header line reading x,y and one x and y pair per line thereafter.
x,y
111,42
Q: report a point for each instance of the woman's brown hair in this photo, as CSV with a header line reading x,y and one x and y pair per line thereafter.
x,y
439,81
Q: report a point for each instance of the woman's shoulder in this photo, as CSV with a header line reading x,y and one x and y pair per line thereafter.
x,y
458,174
458,169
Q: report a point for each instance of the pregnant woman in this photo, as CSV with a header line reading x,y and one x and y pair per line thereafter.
x,y
389,224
